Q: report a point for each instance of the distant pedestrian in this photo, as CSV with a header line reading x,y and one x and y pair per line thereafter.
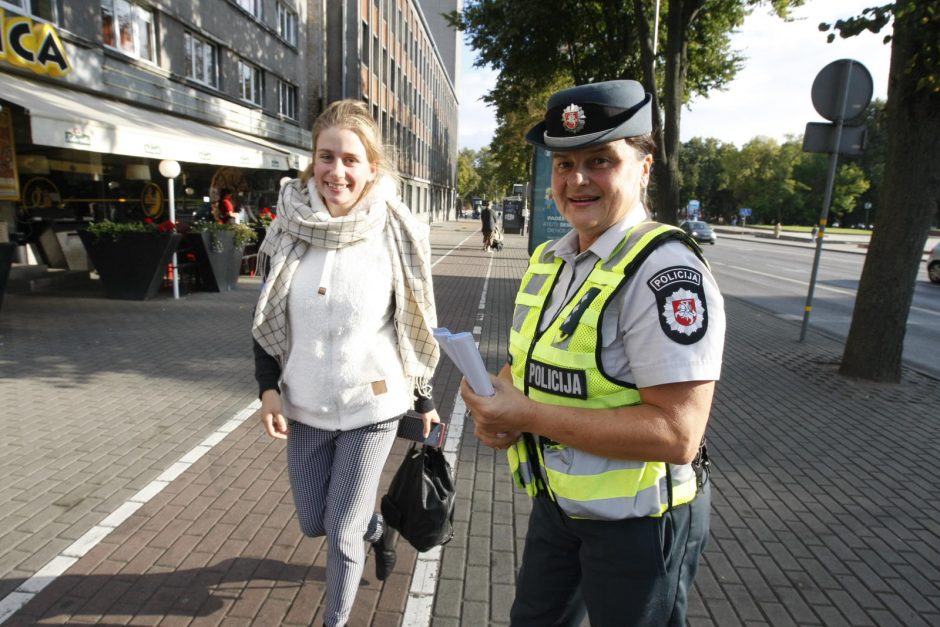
x,y
226,207
777,229
486,225
615,348
343,340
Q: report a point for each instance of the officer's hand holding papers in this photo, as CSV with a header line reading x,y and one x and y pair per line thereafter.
x,y
462,350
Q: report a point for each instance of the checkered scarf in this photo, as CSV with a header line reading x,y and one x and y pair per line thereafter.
x,y
303,220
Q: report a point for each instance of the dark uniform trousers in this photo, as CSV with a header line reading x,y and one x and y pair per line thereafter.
x,y
624,573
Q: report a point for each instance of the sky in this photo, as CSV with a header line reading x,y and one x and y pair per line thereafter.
x,y
770,96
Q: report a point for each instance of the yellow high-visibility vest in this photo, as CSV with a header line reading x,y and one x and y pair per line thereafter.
x,y
561,366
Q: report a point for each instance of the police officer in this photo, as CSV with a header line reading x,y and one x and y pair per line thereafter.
x,y
615,347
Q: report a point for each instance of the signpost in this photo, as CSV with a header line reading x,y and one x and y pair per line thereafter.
x,y
841,91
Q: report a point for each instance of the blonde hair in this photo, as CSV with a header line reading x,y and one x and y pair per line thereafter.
x,y
354,115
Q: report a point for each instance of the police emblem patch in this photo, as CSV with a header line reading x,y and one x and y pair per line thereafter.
x,y
681,303
573,118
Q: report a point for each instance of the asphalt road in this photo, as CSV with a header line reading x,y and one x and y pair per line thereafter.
x,y
776,278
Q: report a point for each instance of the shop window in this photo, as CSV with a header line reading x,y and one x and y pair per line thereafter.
x,y
286,24
42,9
287,100
249,82
201,60
128,27
251,6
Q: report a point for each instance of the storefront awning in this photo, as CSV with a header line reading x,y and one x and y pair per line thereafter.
x,y
66,118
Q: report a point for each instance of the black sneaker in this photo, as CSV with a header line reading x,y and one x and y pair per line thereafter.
x,y
385,556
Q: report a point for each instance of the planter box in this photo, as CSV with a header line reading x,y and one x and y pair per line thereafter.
x,y
132,267
217,270
6,259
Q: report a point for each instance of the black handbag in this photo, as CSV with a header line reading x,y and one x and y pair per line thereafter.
x,y
420,499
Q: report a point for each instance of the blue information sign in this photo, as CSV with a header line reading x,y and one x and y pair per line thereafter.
x,y
546,222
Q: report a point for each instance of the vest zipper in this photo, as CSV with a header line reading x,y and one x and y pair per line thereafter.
x,y
535,459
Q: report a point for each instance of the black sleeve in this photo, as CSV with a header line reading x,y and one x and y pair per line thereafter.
x,y
423,404
267,370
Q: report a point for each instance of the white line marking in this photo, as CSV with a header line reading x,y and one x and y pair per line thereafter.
x,y
25,592
457,247
420,601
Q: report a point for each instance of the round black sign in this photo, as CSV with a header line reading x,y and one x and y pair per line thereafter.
x,y
828,95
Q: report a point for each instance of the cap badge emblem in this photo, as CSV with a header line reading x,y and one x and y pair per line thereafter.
x,y
573,118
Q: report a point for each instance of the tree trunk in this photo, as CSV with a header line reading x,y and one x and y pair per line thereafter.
x,y
909,198
679,17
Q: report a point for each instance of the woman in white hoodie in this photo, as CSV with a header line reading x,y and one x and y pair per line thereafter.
x,y
343,339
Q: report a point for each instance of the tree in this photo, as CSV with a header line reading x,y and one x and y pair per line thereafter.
x,y
910,191
535,44
704,177
811,173
476,175
468,179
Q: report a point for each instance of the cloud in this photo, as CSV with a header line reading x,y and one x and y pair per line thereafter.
x,y
771,95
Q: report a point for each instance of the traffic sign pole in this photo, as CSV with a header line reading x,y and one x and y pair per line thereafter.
x,y
863,99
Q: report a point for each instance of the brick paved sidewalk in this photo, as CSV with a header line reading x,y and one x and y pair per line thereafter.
x,y
825,507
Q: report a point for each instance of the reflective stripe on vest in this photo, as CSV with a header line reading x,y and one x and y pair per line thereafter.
x,y
561,366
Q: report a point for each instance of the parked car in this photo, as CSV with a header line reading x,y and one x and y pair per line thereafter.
x,y
700,231
933,265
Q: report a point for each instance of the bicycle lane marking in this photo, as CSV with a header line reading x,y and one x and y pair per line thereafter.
x,y
420,602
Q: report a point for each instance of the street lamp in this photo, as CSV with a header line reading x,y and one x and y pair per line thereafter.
x,y
171,169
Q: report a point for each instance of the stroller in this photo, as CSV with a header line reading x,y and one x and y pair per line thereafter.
x,y
492,230
495,241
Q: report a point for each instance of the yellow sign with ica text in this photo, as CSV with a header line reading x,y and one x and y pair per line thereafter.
x,y
32,45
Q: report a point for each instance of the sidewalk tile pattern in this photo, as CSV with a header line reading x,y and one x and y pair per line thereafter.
x,y
825,498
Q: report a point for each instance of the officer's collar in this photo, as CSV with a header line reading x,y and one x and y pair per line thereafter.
x,y
567,246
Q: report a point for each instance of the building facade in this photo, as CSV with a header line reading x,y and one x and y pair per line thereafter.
x,y
392,55
95,93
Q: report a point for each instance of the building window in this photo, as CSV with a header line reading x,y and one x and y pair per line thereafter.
x,y
286,24
287,100
375,55
127,27
364,53
249,82
252,6
201,60
43,9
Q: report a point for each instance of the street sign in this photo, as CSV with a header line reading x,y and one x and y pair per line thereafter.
x,y
744,212
821,137
842,90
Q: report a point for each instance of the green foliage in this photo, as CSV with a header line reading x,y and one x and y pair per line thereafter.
x,y
538,47
243,233
777,181
477,175
923,65
107,229
468,179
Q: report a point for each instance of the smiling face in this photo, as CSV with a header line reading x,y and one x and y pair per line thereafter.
x,y
594,188
342,169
